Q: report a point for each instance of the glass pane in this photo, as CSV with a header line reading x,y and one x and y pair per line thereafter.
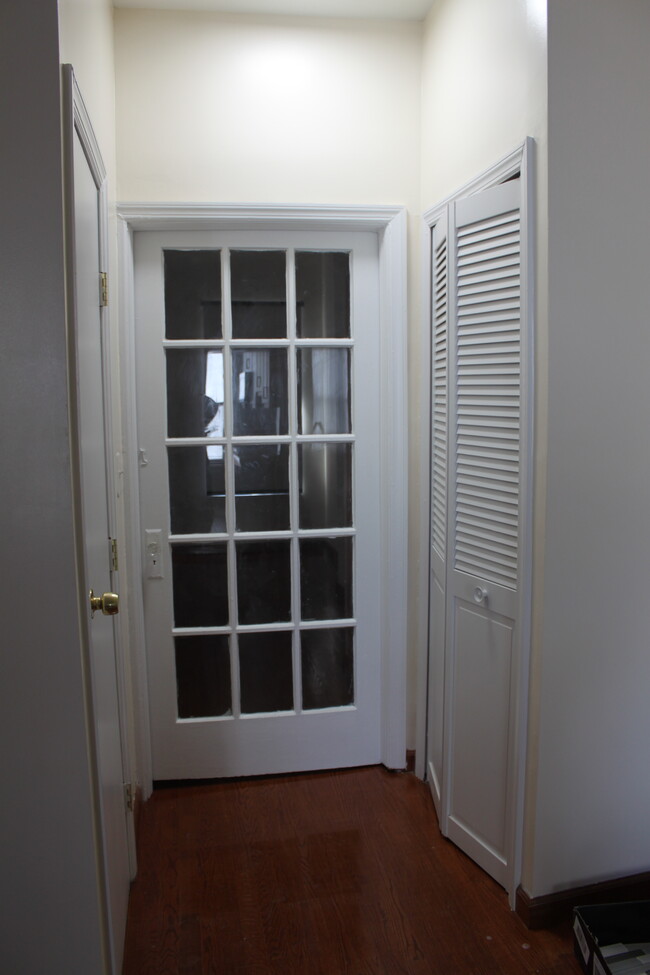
x,y
259,294
197,490
264,581
323,391
325,485
203,676
262,487
193,294
259,392
265,672
326,578
194,393
323,295
200,574
327,668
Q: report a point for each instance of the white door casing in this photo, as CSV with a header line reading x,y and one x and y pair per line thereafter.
x,y
479,629
86,221
389,225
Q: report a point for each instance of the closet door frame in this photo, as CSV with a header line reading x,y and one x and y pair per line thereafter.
x,y
520,162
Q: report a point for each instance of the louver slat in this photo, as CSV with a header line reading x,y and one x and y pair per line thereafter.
x,y
488,376
440,402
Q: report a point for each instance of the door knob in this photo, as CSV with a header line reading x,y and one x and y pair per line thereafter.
x,y
480,594
109,603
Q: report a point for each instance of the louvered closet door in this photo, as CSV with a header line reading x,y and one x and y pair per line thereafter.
x,y
483,522
438,561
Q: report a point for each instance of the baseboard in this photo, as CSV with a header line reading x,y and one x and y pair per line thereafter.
x,y
550,909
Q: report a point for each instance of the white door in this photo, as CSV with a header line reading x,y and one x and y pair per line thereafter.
x,y
258,416
476,595
89,326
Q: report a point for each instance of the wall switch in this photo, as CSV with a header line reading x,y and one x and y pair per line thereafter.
x,y
153,553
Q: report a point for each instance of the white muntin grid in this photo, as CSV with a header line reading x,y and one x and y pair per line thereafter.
x,y
292,343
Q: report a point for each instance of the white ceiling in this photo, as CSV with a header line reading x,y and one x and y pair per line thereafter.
x,y
365,9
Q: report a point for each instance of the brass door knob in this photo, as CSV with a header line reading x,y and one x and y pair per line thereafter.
x,y
109,603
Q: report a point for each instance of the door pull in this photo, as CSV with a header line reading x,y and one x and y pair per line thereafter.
x,y
108,602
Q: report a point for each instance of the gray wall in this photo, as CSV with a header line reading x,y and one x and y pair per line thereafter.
x,y
49,923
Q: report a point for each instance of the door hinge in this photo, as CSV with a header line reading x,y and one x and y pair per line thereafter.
x,y
103,289
115,565
129,796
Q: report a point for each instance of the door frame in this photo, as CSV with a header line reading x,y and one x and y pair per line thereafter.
x,y
519,161
76,121
390,224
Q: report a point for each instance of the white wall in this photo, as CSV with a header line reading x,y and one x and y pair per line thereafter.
x,y
593,791
49,922
223,108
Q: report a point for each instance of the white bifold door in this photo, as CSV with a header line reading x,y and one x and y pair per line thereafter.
x,y
479,436
258,422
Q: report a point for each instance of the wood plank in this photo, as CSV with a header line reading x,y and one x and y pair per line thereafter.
x,y
319,874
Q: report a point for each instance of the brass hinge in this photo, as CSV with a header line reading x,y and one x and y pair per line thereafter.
x,y
129,796
103,289
114,560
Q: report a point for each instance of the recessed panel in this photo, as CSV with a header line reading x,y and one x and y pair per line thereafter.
x,y
193,294
200,578
326,578
259,294
197,491
203,676
264,581
325,485
262,487
265,672
482,655
323,294
324,391
195,393
259,392
327,668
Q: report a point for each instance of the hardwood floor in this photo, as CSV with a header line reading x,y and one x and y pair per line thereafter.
x,y
332,873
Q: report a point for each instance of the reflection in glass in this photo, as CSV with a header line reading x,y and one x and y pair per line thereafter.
x,y
323,391
325,485
326,578
327,668
323,295
197,491
200,574
265,672
262,487
259,391
195,393
203,676
259,294
264,581
192,294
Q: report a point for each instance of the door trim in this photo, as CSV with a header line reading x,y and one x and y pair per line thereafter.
x,y
520,160
389,223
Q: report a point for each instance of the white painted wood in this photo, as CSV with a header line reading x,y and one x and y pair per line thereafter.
x,y
389,223
87,222
258,744
483,526
489,526
439,304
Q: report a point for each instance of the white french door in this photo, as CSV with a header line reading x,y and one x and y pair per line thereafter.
x,y
478,504
258,401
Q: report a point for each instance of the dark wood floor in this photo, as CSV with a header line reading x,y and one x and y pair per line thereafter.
x,y
341,873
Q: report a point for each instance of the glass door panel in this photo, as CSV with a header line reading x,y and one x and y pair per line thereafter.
x,y
259,426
